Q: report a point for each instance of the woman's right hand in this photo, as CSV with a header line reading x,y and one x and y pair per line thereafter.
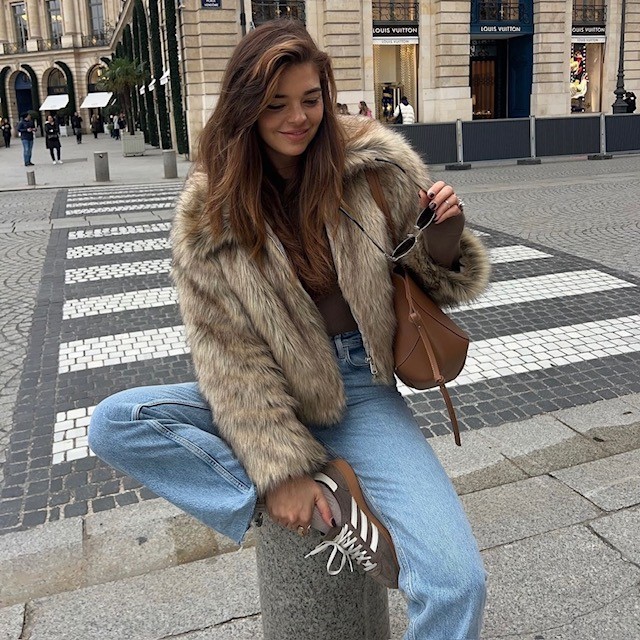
x,y
292,502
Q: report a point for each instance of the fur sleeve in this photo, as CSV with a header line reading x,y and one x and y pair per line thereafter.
x,y
236,372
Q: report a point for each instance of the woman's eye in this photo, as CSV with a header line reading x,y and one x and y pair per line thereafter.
x,y
313,102
275,107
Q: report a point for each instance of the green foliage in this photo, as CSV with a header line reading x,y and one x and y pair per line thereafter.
x,y
143,46
121,76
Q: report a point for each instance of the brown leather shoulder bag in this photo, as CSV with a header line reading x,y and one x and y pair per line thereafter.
x,y
429,348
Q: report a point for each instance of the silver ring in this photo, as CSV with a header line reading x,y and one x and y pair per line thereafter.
x,y
302,531
460,205
447,203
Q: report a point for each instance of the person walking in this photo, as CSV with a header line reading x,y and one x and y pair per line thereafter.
x,y
364,110
76,123
287,301
52,139
6,132
95,125
26,130
116,127
406,110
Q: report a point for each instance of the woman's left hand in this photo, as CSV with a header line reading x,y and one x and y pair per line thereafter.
x,y
442,199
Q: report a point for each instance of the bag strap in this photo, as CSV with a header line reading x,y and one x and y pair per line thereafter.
x,y
378,195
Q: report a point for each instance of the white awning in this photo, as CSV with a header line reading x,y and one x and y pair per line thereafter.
x,y
53,103
96,100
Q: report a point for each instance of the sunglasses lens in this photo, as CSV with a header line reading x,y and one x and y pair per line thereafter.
x,y
404,247
425,218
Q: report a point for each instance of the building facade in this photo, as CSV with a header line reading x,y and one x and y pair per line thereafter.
x,y
451,58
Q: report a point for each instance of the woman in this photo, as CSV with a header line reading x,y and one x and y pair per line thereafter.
x,y
6,132
95,125
52,138
76,123
288,310
404,112
364,110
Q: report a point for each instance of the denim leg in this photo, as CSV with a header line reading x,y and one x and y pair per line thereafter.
x,y
441,571
165,437
26,151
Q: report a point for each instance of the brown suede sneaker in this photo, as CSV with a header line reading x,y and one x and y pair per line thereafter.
x,y
359,536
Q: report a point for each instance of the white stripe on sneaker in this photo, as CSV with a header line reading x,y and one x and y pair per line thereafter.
x,y
364,525
354,514
325,479
374,538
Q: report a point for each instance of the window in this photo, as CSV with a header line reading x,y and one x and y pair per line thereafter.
x,y
57,83
20,22
55,20
263,10
96,16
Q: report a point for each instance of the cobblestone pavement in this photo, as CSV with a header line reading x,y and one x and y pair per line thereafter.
x,y
559,327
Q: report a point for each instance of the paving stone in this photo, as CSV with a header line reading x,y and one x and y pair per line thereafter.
x,y
11,619
249,628
612,483
476,465
162,604
633,400
621,531
552,579
521,509
135,539
607,413
41,561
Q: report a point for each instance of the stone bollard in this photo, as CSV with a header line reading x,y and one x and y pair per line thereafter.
x,y
101,164
31,178
299,599
170,164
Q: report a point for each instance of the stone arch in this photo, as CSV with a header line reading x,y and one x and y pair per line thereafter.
x,y
4,100
93,76
35,93
71,91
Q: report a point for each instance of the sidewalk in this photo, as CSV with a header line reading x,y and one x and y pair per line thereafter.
x,y
78,164
554,502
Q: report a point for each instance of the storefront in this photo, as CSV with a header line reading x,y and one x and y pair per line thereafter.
x,y
501,59
395,66
587,56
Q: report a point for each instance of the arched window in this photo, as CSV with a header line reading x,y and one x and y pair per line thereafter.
x,y
94,77
56,83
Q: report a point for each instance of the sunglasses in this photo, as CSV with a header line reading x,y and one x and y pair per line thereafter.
x,y
406,246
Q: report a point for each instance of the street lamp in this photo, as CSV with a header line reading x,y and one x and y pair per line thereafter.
x,y
620,106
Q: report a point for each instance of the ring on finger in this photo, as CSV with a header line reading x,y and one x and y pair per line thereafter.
x,y
302,531
460,205
447,203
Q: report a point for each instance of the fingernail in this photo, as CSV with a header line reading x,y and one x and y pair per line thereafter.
x,y
433,206
431,194
333,522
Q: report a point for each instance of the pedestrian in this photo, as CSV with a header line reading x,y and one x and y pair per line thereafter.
x,y
116,127
26,129
404,113
288,308
6,132
122,122
364,110
630,99
52,139
76,123
95,125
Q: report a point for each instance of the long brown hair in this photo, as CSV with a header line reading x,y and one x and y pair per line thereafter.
x,y
241,185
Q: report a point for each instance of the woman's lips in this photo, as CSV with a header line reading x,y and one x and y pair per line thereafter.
x,y
295,135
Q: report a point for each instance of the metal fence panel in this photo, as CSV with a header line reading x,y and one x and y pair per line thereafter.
x,y
495,139
574,135
436,143
623,132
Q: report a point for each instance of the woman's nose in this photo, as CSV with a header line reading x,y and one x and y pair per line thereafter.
x,y
297,114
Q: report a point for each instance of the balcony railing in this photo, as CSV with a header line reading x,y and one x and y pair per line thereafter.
x,y
265,10
396,11
584,14
494,11
100,39
49,45
10,48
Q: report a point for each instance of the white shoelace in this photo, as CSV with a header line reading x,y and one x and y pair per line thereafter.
x,y
348,545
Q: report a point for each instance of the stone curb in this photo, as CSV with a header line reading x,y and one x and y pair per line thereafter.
x,y
136,539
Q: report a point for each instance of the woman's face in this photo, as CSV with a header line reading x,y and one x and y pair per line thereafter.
x,y
291,120
49,118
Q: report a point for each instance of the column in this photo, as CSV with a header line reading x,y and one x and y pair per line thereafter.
x,y
68,23
33,20
4,35
550,91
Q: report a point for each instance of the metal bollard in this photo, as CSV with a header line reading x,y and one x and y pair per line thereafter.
x,y
170,164
532,143
603,155
460,165
101,164
300,600
31,178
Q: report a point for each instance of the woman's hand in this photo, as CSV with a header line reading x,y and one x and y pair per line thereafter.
x,y
442,199
291,503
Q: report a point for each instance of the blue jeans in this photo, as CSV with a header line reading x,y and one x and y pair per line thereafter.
x,y
27,147
165,437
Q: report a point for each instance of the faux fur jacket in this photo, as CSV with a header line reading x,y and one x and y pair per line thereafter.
x,y
262,356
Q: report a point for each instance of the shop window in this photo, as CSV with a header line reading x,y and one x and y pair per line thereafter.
x,y
265,10
395,76
396,11
56,83
586,77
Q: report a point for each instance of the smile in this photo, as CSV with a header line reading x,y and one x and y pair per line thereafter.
x,y
295,135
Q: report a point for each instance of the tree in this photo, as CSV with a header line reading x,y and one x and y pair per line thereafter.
x,y
121,76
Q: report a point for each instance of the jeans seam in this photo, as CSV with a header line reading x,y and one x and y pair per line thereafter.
x,y
190,446
347,357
